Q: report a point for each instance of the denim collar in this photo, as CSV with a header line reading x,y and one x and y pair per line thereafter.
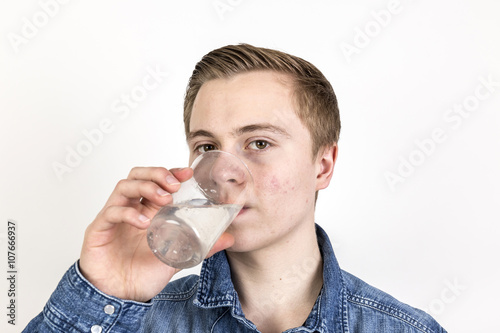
x,y
327,316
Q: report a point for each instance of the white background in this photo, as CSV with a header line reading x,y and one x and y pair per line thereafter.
x,y
430,239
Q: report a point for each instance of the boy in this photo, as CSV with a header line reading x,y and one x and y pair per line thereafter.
x,y
279,114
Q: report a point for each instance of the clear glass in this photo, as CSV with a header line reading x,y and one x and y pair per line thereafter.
x,y
182,233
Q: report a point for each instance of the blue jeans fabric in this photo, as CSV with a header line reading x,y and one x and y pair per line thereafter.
x,y
209,303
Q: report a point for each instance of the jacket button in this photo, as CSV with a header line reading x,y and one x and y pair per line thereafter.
x,y
96,329
109,309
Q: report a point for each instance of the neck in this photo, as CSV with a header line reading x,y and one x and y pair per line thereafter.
x,y
279,284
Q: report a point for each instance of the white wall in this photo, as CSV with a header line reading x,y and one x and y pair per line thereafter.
x,y
430,238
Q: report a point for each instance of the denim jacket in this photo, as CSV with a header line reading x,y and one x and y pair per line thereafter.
x,y
209,303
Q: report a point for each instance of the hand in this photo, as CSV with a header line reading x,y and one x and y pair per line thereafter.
x,y
115,255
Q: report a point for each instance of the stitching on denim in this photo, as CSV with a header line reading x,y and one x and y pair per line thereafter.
x,y
74,270
343,304
178,296
301,330
82,281
203,280
51,312
217,301
242,319
218,319
396,313
118,304
203,298
319,324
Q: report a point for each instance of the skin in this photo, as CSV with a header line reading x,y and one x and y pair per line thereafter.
x,y
227,115
252,116
275,260
115,256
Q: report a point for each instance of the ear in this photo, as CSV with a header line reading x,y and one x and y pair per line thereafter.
x,y
325,163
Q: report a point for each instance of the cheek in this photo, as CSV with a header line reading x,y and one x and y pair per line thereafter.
x,y
274,187
283,185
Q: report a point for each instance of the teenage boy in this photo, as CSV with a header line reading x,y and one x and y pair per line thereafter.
x,y
278,272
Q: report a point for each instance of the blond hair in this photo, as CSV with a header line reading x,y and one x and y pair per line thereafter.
x,y
314,98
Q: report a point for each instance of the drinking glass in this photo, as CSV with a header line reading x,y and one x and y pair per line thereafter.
x,y
182,233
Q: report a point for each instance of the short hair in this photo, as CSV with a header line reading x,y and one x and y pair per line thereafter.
x,y
313,96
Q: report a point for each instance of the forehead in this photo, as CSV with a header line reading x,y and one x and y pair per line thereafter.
x,y
244,99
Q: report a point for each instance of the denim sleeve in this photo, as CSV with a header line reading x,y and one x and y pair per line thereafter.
x,y
78,306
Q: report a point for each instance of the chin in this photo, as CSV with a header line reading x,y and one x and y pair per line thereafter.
x,y
245,237
249,239
242,247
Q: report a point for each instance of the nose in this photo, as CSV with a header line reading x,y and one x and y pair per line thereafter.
x,y
228,170
223,177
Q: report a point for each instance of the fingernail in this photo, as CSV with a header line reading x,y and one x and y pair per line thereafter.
x,y
172,180
143,218
162,192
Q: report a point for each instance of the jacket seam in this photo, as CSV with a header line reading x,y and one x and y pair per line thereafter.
x,y
388,310
178,296
51,312
218,319
344,309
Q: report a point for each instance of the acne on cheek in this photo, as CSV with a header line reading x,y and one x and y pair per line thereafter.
x,y
274,186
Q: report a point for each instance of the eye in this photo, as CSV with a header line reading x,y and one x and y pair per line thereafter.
x,y
259,144
204,148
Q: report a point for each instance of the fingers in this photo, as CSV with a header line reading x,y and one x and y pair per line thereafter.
x,y
135,190
225,241
151,184
110,216
166,179
157,175
136,200
182,174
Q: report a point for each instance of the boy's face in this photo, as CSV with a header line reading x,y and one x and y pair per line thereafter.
x,y
251,115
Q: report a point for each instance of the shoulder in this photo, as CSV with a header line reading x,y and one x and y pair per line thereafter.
x,y
180,289
380,310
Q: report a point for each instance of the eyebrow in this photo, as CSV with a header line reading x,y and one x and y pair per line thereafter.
x,y
242,130
199,133
261,127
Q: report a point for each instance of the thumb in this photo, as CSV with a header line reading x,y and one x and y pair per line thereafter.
x,y
182,174
225,241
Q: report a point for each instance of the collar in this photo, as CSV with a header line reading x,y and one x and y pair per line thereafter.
x,y
217,290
